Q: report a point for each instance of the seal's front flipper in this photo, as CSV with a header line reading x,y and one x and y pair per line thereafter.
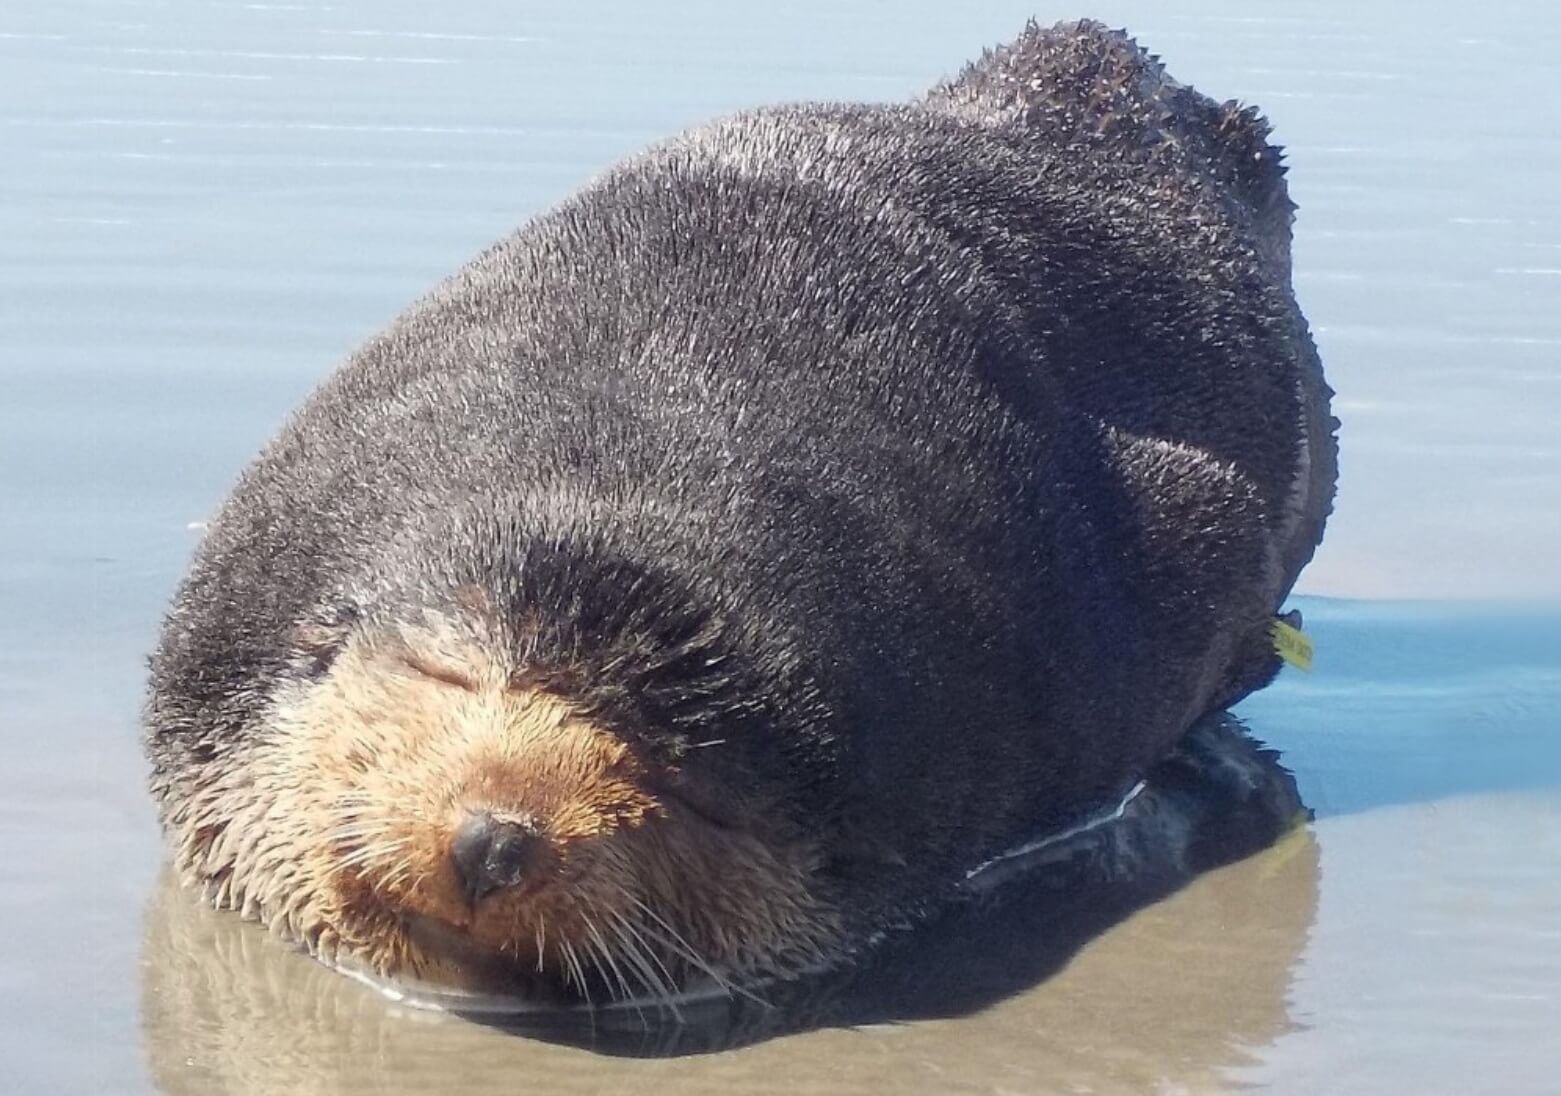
x,y
1262,653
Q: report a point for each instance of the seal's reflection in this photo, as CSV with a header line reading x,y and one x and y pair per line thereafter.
x,y
1173,992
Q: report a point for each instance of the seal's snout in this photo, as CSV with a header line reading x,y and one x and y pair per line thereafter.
x,y
490,853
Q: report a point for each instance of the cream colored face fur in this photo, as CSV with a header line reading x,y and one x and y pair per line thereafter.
x,y
334,827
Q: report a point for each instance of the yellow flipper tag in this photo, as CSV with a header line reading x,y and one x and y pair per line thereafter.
x,y
1292,644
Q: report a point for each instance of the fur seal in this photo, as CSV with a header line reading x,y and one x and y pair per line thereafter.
x,y
712,572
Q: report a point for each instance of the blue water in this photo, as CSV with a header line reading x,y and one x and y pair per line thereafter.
x,y
1418,702
203,205
1428,741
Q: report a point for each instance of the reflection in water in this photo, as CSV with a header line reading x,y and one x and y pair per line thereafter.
x,y
1172,994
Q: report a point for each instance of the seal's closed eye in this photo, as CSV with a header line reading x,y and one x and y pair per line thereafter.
x,y
449,675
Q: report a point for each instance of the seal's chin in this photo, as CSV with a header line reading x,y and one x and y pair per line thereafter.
x,y
457,977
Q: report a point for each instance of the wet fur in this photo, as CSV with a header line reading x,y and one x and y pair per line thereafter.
x,y
888,482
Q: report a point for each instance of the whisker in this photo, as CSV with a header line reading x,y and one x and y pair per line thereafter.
x,y
648,983
357,828
565,955
640,953
371,852
686,950
579,973
604,954
400,874
343,808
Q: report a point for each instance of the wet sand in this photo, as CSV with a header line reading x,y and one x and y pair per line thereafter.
x,y
204,206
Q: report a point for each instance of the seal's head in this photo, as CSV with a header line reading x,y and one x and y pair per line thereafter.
x,y
423,810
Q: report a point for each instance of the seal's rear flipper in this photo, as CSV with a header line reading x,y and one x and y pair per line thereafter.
x,y
1220,795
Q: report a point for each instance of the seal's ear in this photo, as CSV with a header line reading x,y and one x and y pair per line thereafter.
x,y
315,643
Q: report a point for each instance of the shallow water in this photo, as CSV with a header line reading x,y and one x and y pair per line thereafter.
x,y
203,205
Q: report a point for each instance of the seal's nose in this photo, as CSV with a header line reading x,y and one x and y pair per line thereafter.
x,y
492,853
